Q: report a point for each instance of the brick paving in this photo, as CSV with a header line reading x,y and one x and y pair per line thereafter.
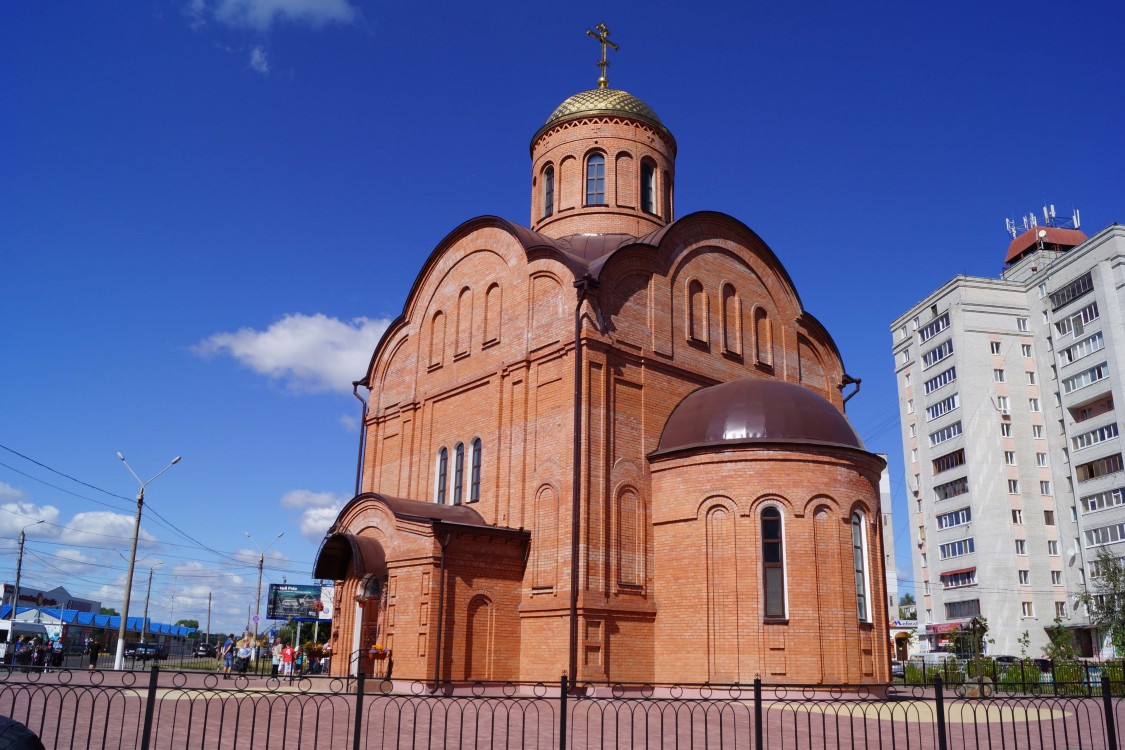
x,y
88,710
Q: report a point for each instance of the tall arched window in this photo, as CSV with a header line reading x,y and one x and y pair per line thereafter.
x,y
648,187
474,481
442,471
595,180
763,338
548,191
437,339
859,557
773,564
458,473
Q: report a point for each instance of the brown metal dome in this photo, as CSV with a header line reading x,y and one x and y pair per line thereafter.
x,y
755,410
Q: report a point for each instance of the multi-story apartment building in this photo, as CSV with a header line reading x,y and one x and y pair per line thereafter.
x,y
1010,437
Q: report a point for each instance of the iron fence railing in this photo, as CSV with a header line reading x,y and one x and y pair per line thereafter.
x,y
174,710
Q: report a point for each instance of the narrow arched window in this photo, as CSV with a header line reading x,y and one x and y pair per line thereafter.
x,y
458,472
859,556
648,187
595,180
773,564
442,471
548,191
474,482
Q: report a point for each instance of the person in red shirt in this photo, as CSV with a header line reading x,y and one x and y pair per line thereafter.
x,y
288,656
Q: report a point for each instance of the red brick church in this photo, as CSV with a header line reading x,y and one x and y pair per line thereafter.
x,y
611,444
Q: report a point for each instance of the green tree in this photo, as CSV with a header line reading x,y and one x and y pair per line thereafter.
x,y
189,623
1061,644
906,598
108,611
1105,597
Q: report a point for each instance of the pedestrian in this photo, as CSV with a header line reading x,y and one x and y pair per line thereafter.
x,y
228,656
244,654
287,656
58,650
92,649
275,654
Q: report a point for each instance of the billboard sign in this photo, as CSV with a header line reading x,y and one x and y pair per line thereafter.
x,y
327,596
289,602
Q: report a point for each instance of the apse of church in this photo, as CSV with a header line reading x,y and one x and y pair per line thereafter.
x,y
611,444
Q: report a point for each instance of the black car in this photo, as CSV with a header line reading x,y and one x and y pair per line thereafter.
x,y
146,651
205,649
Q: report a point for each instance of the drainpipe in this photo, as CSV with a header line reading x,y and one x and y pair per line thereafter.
x,y
849,380
362,435
585,286
440,612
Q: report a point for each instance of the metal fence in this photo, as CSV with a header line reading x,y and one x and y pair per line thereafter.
x,y
169,710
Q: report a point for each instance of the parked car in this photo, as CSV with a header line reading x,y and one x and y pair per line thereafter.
x,y
898,669
146,651
1004,660
205,649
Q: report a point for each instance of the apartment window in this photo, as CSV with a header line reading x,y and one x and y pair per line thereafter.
x,y
945,433
1028,609
942,378
1013,486
962,610
1072,291
1033,404
1044,487
1074,513
994,346
1042,291
1093,437
1099,468
913,430
933,328
959,579
1103,500
773,563
902,333
1085,378
595,180
998,376
1017,516
1105,535
1056,578
1010,458
1052,548
952,489
1003,404
1021,324
957,517
942,407
1021,547
1048,518
1037,431
906,380
913,454
923,556
859,557
1060,610
1030,377
937,354
910,406
1005,429
1025,577
906,355
1083,348
949,461
1040,459
1025,349
956,549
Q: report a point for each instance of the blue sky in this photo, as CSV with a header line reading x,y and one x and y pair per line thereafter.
x,y
211,208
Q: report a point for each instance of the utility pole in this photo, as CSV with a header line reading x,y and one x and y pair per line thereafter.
x,y
258,597
19,571
208,616
148,593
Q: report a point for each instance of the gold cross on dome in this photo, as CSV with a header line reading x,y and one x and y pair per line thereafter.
x,y
603,37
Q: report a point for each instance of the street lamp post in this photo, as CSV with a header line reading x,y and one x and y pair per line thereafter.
x,y
148,593
261,565
119,659
19,571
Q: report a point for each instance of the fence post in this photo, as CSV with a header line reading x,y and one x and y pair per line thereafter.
x,y
939,699
758,745
564,688
358,710
150,707
1110,720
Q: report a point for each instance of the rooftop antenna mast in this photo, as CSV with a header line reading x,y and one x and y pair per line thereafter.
x,y
602,36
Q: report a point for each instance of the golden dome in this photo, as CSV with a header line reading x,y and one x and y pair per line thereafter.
x,y
603,101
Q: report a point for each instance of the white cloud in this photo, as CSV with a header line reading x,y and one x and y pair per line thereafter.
x,y
20,513
103,529
320,511
8,492
310,499
308,353
314,522
349,422
259,60
262,14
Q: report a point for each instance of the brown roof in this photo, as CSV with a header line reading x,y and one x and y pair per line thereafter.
x,y
755,410
1065,238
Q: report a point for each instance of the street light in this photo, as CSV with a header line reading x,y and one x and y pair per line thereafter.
x,y
19,570
119,659
261,564
148,593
